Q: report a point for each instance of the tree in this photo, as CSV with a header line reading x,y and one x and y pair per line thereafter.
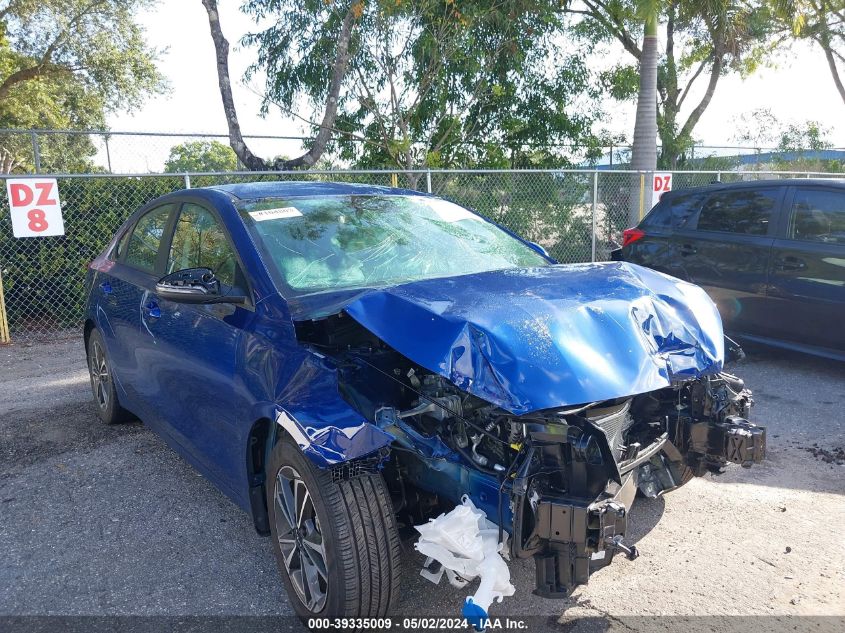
x,y
795,142
644,151
64,63
340,37
704,40
409,83
195,156
461,83
821,22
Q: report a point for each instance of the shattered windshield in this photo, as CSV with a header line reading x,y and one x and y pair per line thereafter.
x,y
332,242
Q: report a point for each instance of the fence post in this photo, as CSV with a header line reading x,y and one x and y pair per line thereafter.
x,y
718,176
187,181
642,195
428,180
595,209
108,153
36,151
4,317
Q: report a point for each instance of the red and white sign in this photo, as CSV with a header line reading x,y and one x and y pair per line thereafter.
x,y
35,207
660,184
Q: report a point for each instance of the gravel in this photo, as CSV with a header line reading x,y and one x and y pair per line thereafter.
x,y
99,520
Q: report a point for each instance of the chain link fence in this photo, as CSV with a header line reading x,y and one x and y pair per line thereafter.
x,y
576,215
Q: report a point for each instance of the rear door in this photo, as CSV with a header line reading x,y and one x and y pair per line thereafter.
x,y
726,251
807,269
658,248
137,266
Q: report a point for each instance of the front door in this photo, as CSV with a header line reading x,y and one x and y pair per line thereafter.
x,y
807,271
193,351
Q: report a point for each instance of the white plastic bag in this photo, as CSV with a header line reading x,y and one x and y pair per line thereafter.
x,y
467,545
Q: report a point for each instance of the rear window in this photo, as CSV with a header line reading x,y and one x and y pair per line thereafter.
x,y
673,212
818,216
745,211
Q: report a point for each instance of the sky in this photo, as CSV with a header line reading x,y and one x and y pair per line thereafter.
x,y
798,89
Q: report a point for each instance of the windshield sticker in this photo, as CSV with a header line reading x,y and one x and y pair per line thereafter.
x,y
275,214
449,212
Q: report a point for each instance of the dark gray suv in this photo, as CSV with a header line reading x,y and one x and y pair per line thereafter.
x,y
771,254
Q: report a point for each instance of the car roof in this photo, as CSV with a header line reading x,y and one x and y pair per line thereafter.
x,y
288,189
756,184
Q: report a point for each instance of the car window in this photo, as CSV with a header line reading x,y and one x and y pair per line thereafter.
x,y
120,247
818,216
200,242
746,211
673,212
330,242
142,249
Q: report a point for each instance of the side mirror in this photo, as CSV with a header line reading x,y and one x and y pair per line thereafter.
x,y
193,285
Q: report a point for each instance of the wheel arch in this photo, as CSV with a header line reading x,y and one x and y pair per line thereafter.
x,y
86,332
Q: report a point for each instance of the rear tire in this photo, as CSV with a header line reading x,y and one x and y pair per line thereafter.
x,y
339,556
102,381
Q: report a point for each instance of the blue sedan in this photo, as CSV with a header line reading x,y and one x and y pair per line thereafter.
x,y
344,359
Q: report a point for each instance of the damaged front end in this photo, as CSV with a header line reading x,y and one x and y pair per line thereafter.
x,y
548,399
579,474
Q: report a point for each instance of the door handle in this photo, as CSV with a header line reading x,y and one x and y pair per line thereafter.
x,y
688,249
790,263
106,288
152,309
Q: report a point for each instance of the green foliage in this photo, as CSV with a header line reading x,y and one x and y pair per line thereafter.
x,y
63,64
430,83
195,156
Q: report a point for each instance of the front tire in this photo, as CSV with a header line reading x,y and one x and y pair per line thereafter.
x,y
335,542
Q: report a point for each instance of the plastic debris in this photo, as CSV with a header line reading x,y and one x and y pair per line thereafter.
x,y
466,544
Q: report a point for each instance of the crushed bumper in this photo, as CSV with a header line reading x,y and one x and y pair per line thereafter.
x,y
571,536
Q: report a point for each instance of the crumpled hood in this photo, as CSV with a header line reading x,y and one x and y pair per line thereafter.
x,y
541,338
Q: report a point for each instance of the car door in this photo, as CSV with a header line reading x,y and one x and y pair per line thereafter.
x,y
726,251
137,266
807,269
192,351
655,242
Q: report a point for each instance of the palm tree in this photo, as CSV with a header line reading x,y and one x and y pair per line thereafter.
x,y
644,151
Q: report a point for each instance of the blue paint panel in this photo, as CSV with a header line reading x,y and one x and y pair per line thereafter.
x,y
532,339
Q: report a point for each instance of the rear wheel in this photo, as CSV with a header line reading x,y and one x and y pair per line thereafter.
x,y
102,381
335,542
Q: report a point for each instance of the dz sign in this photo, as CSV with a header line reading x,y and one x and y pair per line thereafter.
x,y
35,208
661,183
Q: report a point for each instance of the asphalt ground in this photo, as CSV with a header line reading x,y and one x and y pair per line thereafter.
x,y
109,521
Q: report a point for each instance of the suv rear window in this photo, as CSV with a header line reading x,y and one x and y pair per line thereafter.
x,y
818,216
673,212
746,211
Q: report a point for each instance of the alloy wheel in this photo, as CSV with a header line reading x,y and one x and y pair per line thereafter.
x,y
300,539
100,378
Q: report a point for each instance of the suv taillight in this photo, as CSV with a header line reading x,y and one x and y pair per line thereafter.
x,y
629,236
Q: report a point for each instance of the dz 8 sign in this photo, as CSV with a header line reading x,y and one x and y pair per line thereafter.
x,y
35,207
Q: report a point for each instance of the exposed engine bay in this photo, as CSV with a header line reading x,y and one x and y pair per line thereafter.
x,y
561,482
